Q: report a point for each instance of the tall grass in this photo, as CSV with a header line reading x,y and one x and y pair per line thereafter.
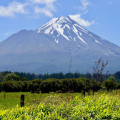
x,y
103,105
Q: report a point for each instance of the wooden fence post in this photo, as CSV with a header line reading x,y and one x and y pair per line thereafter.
x,y
22,100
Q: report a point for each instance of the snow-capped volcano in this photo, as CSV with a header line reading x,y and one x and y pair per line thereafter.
x,y
63,26
69,34
50,48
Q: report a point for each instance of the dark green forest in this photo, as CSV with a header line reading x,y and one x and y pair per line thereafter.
x,y
32,76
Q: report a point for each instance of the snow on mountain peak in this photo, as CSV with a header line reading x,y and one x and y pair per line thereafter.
x,y
56,24
66,27
47,24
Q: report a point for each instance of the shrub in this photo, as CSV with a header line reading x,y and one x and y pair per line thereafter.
x,y
110,84
34,85
0,87
11,76
80,84
118,86
7,86
112,78
96,85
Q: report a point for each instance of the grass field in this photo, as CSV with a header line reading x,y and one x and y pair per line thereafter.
x,y
11,99
62,106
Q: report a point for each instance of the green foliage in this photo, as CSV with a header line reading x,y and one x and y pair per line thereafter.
x,y
110,84
1,77
7,86
118,86
54,108
50,85
0,87
32,76
14,86
87,84
80,85
24,79
11,76
23,86
96,85
112,78
34,85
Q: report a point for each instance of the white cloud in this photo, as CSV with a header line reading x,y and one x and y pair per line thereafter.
x,y
7,33
43,1
85,3
81,21
47,9
12,8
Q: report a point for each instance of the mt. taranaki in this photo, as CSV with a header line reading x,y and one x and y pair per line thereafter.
x,y
49,49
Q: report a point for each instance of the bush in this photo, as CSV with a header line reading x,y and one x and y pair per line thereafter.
x,y
0,87
112,78
110,84
23,86
7,86
118,86
88,84
51,85
80,85
34,85
11,76
96,85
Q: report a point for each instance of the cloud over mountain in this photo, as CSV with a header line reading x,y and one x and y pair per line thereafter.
x,y
85,4
80,20
12,9
38,6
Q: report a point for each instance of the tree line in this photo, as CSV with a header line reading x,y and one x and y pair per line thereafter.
x,y
32,76
14,84
49,85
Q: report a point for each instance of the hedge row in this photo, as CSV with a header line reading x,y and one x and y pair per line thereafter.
x,y
50,85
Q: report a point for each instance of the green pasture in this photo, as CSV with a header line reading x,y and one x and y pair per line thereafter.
x,y
11,99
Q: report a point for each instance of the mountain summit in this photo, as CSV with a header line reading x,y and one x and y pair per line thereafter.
x,y
50,48
70,35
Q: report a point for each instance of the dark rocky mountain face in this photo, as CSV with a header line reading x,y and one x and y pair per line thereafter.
x,y
50,48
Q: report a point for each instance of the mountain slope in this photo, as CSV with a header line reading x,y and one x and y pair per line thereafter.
x,y
70,35
27,42
50,48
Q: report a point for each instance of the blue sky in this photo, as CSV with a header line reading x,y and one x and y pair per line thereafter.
x,y
101,17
